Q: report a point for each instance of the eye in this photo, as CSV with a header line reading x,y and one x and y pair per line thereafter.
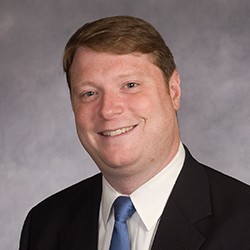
x,y
131,85
88,93
87,96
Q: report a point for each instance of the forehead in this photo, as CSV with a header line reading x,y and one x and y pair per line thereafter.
x,y
87,60
101,69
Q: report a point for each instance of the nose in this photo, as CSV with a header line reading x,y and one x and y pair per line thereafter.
x,y
111,106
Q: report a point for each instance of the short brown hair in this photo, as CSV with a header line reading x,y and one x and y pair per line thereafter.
x,y
120,35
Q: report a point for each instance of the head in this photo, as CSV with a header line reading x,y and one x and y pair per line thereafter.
x,y
120,35
117,69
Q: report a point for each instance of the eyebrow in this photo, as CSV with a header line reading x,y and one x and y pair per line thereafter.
x,y
129,74
132,73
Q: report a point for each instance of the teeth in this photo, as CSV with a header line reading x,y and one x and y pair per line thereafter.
x,y
117,132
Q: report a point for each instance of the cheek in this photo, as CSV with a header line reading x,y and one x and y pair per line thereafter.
x,y
83,120
143,105
161,112
84,128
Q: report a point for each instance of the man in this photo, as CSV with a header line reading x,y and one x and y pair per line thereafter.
x,y
125,92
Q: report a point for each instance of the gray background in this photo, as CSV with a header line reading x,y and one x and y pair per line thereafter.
x,y
39,150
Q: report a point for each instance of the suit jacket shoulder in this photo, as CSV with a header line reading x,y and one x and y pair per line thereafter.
x,y
55,223
206,210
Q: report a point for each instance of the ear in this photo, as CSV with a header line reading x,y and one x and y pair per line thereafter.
x,y
175,89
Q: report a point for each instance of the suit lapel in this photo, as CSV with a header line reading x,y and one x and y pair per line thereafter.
x,y
188,205
82,232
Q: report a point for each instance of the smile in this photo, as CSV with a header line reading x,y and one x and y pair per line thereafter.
x,y
117,131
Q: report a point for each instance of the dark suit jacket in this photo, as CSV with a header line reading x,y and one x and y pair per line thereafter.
x,y
206,210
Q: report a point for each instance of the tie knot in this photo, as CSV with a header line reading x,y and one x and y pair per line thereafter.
x,y
124,208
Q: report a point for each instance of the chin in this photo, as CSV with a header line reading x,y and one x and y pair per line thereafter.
x,y
120,163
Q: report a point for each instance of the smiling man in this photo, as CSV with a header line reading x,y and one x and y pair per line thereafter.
x,y
125,116
125,93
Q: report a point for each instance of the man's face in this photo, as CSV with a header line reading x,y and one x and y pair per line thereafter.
x,y
125,112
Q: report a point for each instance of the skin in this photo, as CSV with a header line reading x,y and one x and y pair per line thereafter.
x,y
125,115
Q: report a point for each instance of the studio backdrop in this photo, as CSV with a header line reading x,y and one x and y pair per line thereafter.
x,y
39,151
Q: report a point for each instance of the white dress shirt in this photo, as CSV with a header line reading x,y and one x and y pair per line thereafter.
x,y
149,201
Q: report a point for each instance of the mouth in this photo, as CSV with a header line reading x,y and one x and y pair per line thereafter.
x,y
117,131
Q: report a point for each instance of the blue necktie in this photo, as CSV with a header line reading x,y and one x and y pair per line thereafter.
x,y
124,209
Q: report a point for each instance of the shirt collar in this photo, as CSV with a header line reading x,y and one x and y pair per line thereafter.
x,y
109,195
149,206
